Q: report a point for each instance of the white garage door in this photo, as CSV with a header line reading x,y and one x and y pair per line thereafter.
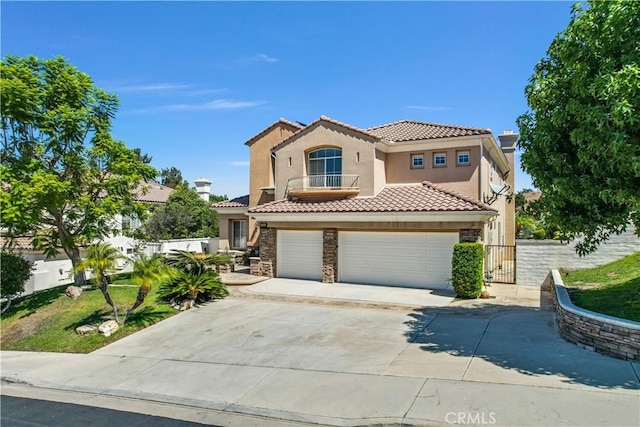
x,y
417,260
299,254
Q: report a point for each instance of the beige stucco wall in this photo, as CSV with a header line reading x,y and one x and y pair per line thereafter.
x,y
510,213
462,179
261,172
502,230
225,224
353,146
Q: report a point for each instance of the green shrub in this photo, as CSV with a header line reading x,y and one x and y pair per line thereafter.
x,y
198,286
14,273
540,234
466,266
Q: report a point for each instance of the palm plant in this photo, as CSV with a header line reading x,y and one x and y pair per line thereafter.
x,y
147,270
194,286
101,257
188,261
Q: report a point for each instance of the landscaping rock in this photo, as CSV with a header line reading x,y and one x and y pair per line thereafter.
x,y
108,327
86,329
187,304
73,291
484,294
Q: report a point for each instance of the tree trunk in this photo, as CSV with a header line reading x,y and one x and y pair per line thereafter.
x,y
142,294
79,277
6,307
102,285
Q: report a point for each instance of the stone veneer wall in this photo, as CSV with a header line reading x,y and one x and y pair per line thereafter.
x,y
534,258
469,235
608,335
267,265
329,255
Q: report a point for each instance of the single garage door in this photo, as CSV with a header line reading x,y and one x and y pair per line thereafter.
x,y
417,260
299,254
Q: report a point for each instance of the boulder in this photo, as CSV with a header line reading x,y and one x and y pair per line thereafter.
x,y
86,329
108,327
73,291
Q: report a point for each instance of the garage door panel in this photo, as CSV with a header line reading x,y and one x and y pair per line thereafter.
x,y
299,254
418,259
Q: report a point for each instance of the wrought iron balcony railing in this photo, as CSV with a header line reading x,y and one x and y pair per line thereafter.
x,y
339,184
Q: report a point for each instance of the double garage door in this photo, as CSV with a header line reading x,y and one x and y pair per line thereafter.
x,y
409,259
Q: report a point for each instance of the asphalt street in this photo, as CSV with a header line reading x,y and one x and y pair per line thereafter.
x,y
22,412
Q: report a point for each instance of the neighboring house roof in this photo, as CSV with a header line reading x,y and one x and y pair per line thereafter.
x,y
530,196
238,202
425,197
21,243
326,120
263,132
411,130
152,192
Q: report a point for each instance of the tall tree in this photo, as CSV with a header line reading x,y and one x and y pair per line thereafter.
x,y
581,137
144,158
185,215
64,176
171,177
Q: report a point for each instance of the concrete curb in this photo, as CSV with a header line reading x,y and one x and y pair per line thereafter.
x,y
231,409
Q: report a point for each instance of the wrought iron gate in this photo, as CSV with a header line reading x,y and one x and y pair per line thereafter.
x,y
500,264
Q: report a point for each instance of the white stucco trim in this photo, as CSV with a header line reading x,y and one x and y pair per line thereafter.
x,y
231,211
477,216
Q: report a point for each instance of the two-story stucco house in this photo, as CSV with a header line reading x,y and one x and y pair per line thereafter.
x,y
383,205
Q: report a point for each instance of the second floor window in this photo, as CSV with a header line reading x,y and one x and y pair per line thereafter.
x,y
463,158
417,161
324,165
439,159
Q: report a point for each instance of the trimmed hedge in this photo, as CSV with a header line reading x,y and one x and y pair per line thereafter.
x,y
466,266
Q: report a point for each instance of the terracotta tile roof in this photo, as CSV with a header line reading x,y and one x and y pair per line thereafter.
x,y
238,202
410,130
328,120
152,192
425,197
271,126
21,243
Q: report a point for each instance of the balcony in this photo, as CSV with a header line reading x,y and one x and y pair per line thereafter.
x,y
323,187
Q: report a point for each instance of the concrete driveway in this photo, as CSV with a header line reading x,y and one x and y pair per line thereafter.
x,y
343,365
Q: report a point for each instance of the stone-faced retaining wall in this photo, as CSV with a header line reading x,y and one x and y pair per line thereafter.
x,y
593,331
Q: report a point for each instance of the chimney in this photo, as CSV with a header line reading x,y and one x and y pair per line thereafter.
x,y
203,188
508,140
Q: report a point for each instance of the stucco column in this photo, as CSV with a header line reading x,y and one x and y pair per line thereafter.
x,y
469,235
268,251
329,255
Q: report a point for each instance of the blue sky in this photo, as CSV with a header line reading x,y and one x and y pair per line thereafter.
x,y
197,79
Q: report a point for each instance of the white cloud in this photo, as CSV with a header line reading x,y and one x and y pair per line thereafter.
x,y
197,92
266,58
216,104
426,108
155,87
239,163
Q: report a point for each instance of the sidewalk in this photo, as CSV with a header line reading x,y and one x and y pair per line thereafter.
x,y
346,365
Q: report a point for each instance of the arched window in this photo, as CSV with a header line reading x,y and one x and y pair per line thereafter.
x,y
325,167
